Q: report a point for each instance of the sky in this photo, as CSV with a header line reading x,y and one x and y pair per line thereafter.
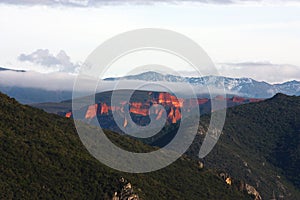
x,y
256,39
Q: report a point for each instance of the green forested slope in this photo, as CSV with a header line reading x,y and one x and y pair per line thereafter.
x,y
260,145
41,156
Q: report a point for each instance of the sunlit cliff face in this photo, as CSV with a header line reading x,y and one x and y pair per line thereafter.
x,y
141,108
91,111
68,114
171,103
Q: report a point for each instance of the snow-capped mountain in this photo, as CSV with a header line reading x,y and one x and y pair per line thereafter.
x,y
246,87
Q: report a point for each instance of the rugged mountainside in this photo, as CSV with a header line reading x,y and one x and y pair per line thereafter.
x,y
246,87
41,156
139,107
260,144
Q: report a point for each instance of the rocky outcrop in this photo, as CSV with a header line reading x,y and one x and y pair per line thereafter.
x,y
200,165
160,102
169,102
227,179
126,193
68,115
91,111
241,185
238,99
252,191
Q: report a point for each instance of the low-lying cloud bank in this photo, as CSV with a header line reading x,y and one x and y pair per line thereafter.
x,y
65,82
59,81
47,81
261,71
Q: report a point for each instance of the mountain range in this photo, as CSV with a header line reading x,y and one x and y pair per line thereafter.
x,y
259,145
245,87
257,154
42,157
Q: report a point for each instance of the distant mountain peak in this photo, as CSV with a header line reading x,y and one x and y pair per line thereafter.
x,y
246,87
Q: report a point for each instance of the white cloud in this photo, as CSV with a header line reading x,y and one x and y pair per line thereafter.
x,y
261,71
96,3
61,62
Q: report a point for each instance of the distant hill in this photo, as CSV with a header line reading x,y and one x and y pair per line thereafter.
x,y
26,95
245,87
42,157
14,70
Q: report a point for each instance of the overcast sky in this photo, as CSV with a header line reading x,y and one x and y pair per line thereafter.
x,y
256,39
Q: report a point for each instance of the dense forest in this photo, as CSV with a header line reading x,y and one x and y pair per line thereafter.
x,y
42,157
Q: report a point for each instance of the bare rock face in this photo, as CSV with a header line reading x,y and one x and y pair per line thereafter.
x,y
241,185
226,177
252,191
127,192
115,197
200,165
